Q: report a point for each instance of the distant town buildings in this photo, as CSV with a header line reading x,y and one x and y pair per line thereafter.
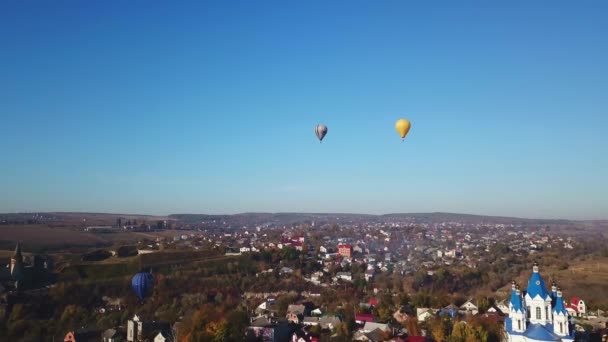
x,y
345,250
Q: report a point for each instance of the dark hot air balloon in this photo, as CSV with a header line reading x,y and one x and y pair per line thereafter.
x,y
320,131
142,284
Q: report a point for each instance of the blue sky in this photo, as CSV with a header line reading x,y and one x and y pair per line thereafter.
x,y
209,107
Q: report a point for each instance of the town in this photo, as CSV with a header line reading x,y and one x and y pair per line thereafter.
x,y
304,171
291,277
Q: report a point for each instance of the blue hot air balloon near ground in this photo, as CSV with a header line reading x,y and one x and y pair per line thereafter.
x,y
142,284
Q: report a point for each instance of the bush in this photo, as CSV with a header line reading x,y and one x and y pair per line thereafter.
x,y
126,251
97,255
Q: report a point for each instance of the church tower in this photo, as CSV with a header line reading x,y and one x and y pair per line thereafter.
x,y
518,310
560,316
538,299
553,292
17,262
17,266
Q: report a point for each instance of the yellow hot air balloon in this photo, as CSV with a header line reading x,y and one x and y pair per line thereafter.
x,y
403,126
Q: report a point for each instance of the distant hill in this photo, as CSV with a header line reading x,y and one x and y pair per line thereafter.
x,y
287,218
411,217
471,218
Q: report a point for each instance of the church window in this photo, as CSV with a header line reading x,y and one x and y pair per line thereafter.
x,y
537,312
519,324
529,312
546,312
561,327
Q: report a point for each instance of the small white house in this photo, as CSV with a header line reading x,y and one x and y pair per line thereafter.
x,y
371,326
423,314
163,336
469,307
346,276
316,312
502,306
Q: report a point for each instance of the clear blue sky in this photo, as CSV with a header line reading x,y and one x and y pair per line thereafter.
x,y
209,107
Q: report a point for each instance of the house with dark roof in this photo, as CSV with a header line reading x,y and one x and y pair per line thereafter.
x,y
113,335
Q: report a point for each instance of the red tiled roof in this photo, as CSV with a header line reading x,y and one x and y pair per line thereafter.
x,y
575,301
364,317
345,246
372,302
415,339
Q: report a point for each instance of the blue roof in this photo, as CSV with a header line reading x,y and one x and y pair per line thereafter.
x,y
516,301
536,286
450,312
559,306
539,333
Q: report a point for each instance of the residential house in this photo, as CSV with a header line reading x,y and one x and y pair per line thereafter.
x,y
357,248
164,336
112,335
345,250
286,270
84,335
303,336
495,310
371,326
469,307
502,307
346,276
309,321
295,313
451,310
369,274
580,306
138,330
423,314
329,322
268,305
372,336
316,312
268,330
364,318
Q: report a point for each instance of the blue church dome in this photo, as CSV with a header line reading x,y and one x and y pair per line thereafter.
x,y
536,285
539,333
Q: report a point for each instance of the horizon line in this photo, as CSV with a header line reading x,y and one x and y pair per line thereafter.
x,y
306,213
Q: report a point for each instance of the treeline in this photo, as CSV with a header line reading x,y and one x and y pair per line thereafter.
x,y
473,329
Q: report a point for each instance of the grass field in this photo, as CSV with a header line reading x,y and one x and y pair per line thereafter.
x,y
35,238
587,279
119,267
42,235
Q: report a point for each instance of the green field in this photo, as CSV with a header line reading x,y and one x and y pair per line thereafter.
x,y
37,238
160,262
